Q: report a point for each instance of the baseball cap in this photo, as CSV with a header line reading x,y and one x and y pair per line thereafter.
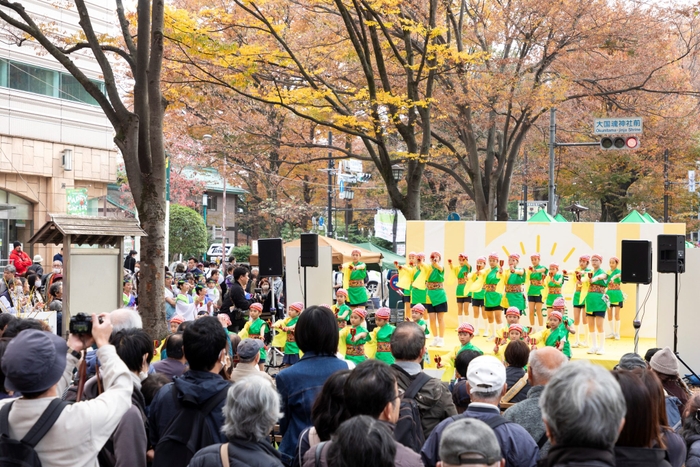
x,y
248,348
486,374
22,373
469,441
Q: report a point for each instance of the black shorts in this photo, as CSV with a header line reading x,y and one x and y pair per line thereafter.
x,y
493,308
581,306
596,314
357,305
464,299
619,305
441,308
534,298
477,302
407,298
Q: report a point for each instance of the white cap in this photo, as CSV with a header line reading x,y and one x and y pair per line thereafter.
x,y
486,374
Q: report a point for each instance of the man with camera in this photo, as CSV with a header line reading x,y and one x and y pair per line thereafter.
x,y
237,301
39,365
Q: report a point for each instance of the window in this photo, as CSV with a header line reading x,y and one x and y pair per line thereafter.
x,y
72,90
211,202
32,79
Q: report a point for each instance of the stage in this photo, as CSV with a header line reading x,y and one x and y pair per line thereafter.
x,y
614,349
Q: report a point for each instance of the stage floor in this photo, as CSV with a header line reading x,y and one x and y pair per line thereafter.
x,y
614,349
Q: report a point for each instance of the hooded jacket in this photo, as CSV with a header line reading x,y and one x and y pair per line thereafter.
x,y
201,385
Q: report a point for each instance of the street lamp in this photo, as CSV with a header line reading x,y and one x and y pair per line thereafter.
x,y
396,172
205,200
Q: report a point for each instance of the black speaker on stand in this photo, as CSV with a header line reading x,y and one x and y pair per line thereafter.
x,y
270,257
308,256
672,260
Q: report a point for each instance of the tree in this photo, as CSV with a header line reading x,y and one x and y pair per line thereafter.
x,y
138,123
188,235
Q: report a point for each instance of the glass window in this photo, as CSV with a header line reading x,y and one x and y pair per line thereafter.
x,y
212,202
32,79
72,90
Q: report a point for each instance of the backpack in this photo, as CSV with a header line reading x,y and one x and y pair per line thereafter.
x,y
22,453
188,431
409,430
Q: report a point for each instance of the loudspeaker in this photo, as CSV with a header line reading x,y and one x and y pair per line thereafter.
x,y
270,257
309,250
671,253
636,262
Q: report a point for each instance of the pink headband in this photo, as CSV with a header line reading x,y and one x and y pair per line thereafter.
x,y
463,255
554,265
383,313
596,255
535,255
256,306
413,253
361,312
512,311
555,314
418,308
559,302
435,254
616,259
515,327
298,306
481,258
515,256
466,327
585,258
420,255
356,251
493,255
341,292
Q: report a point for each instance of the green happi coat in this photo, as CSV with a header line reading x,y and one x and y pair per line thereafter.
x,y
615,295
594,300
556,282
492,299
437,296
516,299
535,290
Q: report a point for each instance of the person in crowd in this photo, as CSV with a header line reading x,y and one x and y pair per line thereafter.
x,y
472,442
237,302
459,387
36,268
251,411
691,431
370,390
583,410
36,300
129,261
516,357
192,267
362,441
202,302
433,398
8,275
641,430
175,363
126,318
58,256
630,361
213,294
18,325
19,259
56,304
542,365
327,413
4,393
5,319
81,429
665,364
204,343
253,282
316,334
150,387
486,380
169,297
175,323
47,280
248,352
675,446
128,296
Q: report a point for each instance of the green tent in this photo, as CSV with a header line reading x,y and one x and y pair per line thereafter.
x,y
650,219
542,217
634,216
689,244
388,257
560,218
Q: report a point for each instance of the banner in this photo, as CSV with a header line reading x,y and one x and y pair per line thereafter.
x,y
77,201
384,225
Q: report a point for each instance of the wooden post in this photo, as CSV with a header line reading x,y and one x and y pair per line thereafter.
x,y
66,286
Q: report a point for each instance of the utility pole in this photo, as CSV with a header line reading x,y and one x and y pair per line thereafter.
x,y
552,146
666,185
525,189
330,185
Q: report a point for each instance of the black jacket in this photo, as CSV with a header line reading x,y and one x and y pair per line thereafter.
x,y
241,452
640,457
130,263
564,456
238,299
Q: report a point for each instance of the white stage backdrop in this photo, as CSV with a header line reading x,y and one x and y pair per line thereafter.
x,y
319,280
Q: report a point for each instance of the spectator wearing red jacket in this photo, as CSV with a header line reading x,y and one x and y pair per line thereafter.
x,y
20,259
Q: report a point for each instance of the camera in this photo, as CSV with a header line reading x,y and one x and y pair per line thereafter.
x,y
80,324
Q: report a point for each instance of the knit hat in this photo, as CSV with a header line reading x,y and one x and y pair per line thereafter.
x,y
15,244
535,255
559,303
597,256
177,319
355,250
554,265
663,362
418,308
383,313
466,327
515,327
515,256
630,361
585,258
512,311
298,306
616,259
34,361
256,306
493,255
469,441
555,314
361,312
341,292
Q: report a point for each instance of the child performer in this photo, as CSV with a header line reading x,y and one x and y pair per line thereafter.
x,y
555,279
340,309
465,333
596,305
420,275
354,274
435,284
478,293
461,272
355,337
417,313
405,280
512,317
556,334
515,333
616,298
580,321
492,298
256,328
514,280
291,349
381,335
534,291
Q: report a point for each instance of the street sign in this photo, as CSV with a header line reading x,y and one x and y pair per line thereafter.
x,y
618,126
691,181
453,216
320,221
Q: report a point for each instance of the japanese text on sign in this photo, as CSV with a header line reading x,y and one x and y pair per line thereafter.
x,y
618,126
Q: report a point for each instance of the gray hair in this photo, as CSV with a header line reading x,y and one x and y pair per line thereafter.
x,y
583,406
10,268
543,364
479,396
125,318
252,408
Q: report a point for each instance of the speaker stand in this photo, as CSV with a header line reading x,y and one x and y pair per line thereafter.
x,y
304,287
636,323
675,328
